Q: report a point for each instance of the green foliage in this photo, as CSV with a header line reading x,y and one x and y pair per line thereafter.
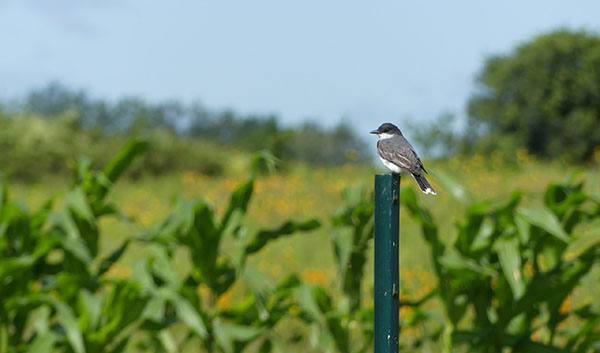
x,y
179,132
351,235
194,225
544,97
343,324
503,281
504,277
57,292
168,153
52,293
35,147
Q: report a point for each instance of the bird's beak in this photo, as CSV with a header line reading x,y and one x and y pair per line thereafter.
x,y
374,132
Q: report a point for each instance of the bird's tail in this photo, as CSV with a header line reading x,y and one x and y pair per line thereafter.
x,y
424,184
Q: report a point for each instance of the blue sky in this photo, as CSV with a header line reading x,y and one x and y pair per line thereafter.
x,y
365,61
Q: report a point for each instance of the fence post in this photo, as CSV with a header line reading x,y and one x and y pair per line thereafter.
x,y
387,283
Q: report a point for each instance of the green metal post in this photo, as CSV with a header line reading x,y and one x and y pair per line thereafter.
x,y
387,281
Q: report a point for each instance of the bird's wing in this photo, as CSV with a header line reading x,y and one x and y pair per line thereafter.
x,y
420,164
401,154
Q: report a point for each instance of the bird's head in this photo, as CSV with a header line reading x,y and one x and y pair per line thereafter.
x,y
387,130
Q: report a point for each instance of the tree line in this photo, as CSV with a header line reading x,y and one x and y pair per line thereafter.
x,y
133,116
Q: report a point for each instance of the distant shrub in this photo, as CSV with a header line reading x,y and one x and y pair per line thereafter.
x,y
33,147
168,153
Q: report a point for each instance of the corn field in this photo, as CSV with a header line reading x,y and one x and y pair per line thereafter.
x,y
503,281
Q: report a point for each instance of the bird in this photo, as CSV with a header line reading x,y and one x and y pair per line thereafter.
x,y
399,156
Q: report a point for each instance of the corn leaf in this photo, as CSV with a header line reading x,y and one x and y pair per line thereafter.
x,y
227,334
451,185
185,311
288,228
240,198
77,202
117,166
108,261
507,248
68,321
545,220
43,343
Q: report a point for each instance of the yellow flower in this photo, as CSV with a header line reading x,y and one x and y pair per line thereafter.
x,y
315,276
224,300
566,306
294,310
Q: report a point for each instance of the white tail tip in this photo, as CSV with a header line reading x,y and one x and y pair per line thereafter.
x,y
429,191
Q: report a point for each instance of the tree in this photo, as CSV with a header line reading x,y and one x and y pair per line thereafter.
x,y
544,97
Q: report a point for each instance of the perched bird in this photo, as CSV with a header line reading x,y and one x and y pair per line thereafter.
x,y
399,156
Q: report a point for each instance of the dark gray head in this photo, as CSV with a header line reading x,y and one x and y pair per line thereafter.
x,y
387,128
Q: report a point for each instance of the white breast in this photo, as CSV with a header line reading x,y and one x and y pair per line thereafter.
x,y
394,168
